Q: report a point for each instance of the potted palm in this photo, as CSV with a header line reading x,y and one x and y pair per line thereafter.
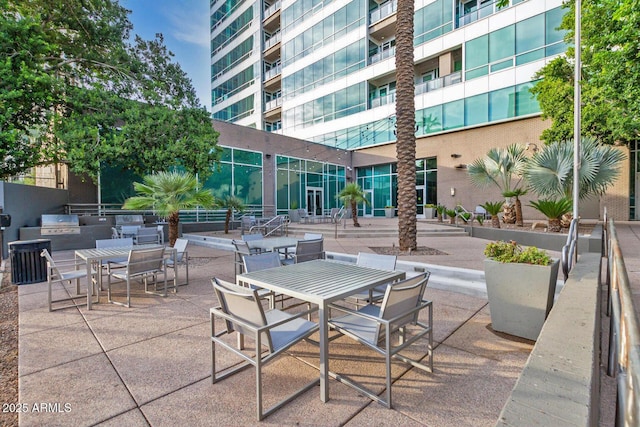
x,y
521,285
351,195
493,209
389,211
553,210
440,209
429,211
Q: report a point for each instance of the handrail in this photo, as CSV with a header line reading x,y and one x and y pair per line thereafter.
x,y
624,345
570,249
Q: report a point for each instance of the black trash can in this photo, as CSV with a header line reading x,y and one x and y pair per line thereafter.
x,y
27,266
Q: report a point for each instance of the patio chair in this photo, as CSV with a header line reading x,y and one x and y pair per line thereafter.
x,y
259,262
246,222
381,262
129,230
54,275
242,248
274,330
373,325
306,250
179,257
147,236
142,264
118,262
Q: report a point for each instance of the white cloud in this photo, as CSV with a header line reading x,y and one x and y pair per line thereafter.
x,y
189,22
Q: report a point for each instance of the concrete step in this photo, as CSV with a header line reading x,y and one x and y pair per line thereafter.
x,y
210,241
299,231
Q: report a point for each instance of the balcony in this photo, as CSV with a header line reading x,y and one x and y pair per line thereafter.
x,y
273,40
382,54
271,9
388,8
273,104
273,72
382,100
448,80
484,11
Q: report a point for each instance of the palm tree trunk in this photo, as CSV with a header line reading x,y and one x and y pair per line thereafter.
x,y
405,125
354,214
174,219
519,219
226,221
495,221
554,225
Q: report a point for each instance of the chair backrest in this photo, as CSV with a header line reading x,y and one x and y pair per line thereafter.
x,y
312,236
243,304
53,268
114,243
145,260
401,297
241,247
307,250
181,247
147,235
379,261
253,236
129,230
261,261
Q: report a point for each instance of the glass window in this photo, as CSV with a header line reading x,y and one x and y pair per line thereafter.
x,y
247,157
553,19
220,181
477,52
282,190
501,104
453,113
529,34
478,72
502,43
382,169
476,110
247,184
226,154
314,166
431,120
526,103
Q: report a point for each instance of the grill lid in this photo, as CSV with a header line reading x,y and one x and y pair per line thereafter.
x,y
59,224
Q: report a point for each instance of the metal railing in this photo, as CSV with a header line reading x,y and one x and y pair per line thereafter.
x,y
624,336
383,11
570,249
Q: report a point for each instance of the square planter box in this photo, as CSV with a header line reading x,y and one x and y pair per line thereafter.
x,y
520,296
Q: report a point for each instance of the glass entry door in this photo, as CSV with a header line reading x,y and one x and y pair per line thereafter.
x,y
420,200
315,205
367,209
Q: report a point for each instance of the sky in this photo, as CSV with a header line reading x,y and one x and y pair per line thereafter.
x,y
185,26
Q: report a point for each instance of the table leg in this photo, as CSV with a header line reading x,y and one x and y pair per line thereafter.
x,y
324,352
90,284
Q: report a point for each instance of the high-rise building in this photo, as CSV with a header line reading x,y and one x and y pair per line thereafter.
x,y
324,71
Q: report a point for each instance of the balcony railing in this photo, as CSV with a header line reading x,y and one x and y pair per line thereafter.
x,y
269,74
434,84
273,40
382,54
383,11
274,103
270,10
482,12
383,100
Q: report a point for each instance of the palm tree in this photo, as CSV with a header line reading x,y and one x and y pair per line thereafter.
x,y
550,171
351,195
405,131
493,209
231,203
553,210
166,193
502,167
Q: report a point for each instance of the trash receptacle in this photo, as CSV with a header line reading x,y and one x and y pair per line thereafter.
x,y
27,266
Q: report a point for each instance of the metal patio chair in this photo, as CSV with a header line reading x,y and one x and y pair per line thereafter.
x,y
381,262
141,265
180,257
306,250
373,325
273,330
55,275
147,236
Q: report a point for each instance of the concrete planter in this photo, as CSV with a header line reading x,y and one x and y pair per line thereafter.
x,y
520,296
429,213
389,212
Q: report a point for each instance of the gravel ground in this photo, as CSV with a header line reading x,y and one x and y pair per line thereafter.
x,y
8,351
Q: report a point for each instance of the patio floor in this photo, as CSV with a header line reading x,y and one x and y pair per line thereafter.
x,y
150,364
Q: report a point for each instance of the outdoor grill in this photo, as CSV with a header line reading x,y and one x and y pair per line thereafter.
x,y
59,224
129,220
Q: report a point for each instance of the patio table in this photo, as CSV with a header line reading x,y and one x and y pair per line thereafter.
x,y
95,256
272,244
320,282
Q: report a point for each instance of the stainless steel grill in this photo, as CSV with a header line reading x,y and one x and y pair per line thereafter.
x,y
59,224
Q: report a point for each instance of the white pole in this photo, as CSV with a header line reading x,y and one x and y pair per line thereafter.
x,y
577,109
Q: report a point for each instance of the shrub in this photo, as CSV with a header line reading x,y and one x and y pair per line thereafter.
x,y
510,252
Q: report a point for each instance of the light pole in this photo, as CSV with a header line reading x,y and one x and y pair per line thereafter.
x,y
577,112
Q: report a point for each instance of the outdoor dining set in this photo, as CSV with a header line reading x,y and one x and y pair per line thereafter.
x,y
320,300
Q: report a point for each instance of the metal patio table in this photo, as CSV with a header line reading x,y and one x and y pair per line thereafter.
x,y
320,282
94,256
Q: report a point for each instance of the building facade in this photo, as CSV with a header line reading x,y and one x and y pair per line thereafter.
x,y
324,71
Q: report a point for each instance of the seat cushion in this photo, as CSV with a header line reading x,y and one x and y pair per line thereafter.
x,y
284,334
363,328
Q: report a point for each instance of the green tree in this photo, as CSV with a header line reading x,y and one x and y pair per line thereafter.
x,y
405,130
131,93
166,193
231,203
502,167
549,172
351,195
610,83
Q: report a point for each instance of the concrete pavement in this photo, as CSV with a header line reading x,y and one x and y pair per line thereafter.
x,y
150,364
